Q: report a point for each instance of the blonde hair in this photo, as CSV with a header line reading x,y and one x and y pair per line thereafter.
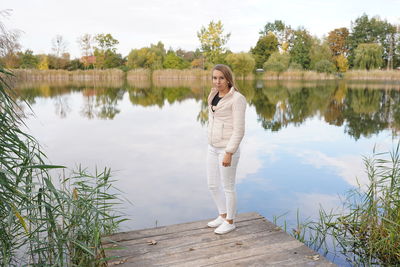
x,y
227,72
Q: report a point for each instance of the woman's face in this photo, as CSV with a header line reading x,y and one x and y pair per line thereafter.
x,y
219,80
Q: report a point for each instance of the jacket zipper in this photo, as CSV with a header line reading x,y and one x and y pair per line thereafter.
x,y
212,129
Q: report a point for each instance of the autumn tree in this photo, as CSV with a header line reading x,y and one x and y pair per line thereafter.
x,y
266,45
213,41
342,64
86,44
43,62
283,33
9,43
241,63
368,56
337,41
339,46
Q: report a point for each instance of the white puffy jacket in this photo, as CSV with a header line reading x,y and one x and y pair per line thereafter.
x,y
226,125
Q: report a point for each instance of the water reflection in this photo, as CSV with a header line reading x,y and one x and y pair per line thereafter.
x,y
296,153
363,109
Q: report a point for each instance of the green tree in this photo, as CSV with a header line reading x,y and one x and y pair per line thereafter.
x,y
28,60
112,60
301,48
368,56
277,62
373,30
241,63
319,52
75,64
105,51
266,45
212,41
147,57
173,61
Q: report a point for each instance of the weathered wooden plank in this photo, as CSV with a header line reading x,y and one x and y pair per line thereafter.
x,y
227,252
255,242
206,239
248,246
204,234
162,230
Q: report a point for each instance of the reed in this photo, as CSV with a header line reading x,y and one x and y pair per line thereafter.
x,y
297,75
187,74
138,75
377,75
65,75
366,230
42,223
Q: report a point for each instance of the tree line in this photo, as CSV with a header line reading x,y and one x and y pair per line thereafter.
x,y
370,43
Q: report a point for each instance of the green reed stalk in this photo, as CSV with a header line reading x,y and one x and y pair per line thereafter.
x,y
367,231
42,224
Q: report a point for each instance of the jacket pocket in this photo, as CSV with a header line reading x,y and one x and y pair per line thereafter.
x,y
227,131
216,132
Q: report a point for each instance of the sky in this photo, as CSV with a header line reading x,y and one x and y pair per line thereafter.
x,y
137,24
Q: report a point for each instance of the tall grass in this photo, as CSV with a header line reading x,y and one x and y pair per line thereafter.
x,y
188,74
377,75
367,231
41,223
297,75
138,75
65,75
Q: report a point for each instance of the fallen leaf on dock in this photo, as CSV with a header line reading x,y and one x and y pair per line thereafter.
x,y
191,249
239,243
314,257
152,242
118,262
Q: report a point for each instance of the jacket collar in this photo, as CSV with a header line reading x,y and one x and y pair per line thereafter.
x,y
214,91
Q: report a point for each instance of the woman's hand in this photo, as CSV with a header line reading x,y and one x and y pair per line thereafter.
x,y
226,162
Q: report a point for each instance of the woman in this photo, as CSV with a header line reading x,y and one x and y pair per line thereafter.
x,y
225,132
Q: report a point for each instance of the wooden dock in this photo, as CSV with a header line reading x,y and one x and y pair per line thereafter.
x,y
254,242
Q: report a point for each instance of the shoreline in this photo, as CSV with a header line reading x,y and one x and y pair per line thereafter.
x,y
32,75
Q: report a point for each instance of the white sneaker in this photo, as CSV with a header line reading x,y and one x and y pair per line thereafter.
x,y
224,228
216,222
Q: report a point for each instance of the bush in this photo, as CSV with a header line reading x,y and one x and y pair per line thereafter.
x,y
241,63
277,62
295,66
325,66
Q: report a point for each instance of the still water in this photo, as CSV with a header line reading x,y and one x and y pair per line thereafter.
x,y
302,149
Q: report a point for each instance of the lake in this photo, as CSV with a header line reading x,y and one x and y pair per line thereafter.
x,y
303,147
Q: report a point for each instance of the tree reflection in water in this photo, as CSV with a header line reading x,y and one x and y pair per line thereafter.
x,y
363,109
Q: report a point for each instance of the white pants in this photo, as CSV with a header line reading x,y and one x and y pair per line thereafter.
x,y
221,180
